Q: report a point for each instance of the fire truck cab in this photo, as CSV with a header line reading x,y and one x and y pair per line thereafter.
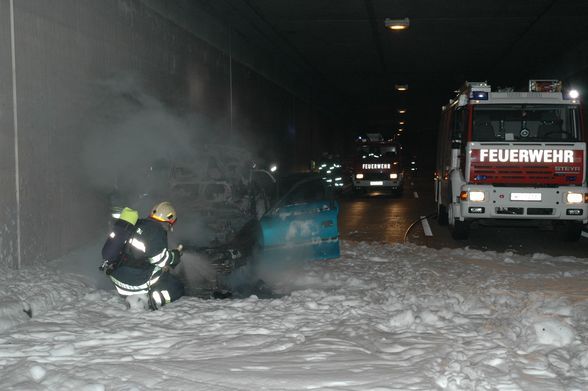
x,y
377,164
506,155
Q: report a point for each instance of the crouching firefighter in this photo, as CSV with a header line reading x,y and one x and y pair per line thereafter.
x,y
137,258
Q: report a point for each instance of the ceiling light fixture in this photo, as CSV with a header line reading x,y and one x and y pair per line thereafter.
x,y
401,87
574,94
401,111
397,24
401,122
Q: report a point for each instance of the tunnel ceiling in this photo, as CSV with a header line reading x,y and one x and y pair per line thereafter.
x,y
346,45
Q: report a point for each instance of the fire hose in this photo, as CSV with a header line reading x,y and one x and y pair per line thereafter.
x,y
416,222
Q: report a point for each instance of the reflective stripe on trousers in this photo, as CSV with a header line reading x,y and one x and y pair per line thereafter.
x,y
161,297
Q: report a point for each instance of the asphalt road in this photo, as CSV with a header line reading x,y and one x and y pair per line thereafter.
x,y
381,217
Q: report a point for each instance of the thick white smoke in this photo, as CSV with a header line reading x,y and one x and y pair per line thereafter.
x,y
137,139
131,147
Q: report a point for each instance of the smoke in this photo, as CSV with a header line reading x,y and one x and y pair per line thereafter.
x,y
133,143
271,277
192,230
285,273
197,274
132,149
84,261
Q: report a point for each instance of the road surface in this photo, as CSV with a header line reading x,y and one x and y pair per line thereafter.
x,y
381,217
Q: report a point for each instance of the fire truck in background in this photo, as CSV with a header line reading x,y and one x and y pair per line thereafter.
x,y
377,164
512,156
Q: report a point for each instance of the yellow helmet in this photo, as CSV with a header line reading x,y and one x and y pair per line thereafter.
x,y
164,212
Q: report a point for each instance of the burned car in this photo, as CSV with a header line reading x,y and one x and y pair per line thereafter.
x,y
301,224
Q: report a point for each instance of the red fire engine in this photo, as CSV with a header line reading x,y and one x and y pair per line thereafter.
x,y
512,156
377,164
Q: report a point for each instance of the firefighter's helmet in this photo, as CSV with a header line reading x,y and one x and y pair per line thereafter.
x,y
164,212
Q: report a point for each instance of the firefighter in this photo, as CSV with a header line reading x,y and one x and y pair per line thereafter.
x,y
146,263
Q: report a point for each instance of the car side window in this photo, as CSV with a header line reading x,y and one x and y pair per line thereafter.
x,y
306,192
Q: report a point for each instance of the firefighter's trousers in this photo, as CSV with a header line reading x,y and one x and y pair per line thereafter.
x,y
162,286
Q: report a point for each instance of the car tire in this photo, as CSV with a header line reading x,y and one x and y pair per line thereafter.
x,y
460,230
442,216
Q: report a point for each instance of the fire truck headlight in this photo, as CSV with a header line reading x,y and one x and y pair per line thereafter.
x,y
476,196
574,198
394,176
359,176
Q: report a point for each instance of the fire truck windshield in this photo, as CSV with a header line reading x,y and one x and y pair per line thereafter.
x,y
515,122
376,151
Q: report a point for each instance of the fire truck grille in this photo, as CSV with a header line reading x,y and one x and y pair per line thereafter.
x,y
514,174
540,211
522,211
509,211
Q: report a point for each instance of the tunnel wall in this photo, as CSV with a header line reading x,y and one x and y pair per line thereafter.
x,y
8,216
69,56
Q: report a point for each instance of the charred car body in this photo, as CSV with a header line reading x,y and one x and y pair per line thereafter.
x,y
301,224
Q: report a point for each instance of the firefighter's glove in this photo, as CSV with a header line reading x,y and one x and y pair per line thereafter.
x,y
175,258
107,267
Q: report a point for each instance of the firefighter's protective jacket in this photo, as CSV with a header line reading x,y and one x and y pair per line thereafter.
x,y
145,258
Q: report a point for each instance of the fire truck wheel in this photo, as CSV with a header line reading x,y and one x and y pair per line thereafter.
x,y
442,216
571,231
460,230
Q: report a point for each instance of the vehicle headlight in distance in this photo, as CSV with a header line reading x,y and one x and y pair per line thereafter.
x,y
574,198
359,176
476,196
394,176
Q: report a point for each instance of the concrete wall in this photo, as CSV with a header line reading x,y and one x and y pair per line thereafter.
x,y
69,55
8,210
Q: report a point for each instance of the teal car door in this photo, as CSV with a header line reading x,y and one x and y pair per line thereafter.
x,y
302,225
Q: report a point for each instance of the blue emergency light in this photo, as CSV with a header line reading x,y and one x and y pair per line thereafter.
x,y
479,95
